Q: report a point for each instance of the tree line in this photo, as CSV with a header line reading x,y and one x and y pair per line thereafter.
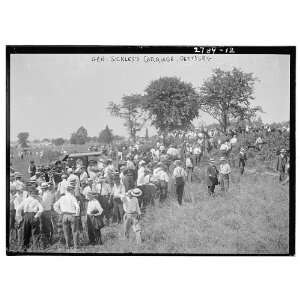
x,y
171,105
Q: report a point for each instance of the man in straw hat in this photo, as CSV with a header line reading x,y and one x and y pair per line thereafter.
x,y
94,220
69,208
132,213
281,163
211,177
224,174
179,174
32,210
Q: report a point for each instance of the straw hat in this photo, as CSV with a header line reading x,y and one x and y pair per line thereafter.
x,y
142,162
211,160
135,192
44,185
222,158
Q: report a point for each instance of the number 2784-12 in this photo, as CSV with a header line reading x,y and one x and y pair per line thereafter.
x,y
213,50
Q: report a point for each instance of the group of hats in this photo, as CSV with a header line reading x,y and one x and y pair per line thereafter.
x,y
211,160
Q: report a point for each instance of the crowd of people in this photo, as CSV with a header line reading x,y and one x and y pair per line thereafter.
x,y
71,202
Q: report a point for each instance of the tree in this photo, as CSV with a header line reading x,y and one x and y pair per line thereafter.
x,y
58,141
226,96
129,110
106,136
79,137
23,139
171,104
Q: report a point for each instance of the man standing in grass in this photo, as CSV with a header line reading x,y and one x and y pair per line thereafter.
x,y
179,174
48,199
224,174
281,163
132,213
211,177
242,160
32,210
68,207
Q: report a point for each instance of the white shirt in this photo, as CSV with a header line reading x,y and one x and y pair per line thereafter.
x,y
30,204
62,186
225,168
197,150
141,176
131,205
233,141
48,198
67,204
162,175
223,147
105,190
179,172
94,205
86,190
118,191
83,176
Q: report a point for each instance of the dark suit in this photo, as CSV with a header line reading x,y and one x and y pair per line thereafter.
x,y
211,178
281,162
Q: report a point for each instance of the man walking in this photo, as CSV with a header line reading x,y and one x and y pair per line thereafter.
x,y
281,163
132,213
211,177
224,174
242,160
179,174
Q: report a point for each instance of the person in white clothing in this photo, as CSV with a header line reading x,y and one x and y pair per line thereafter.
x,y
62,186
69,208
94,220
118,191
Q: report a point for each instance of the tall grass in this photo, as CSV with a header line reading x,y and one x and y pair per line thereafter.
x,y
252,218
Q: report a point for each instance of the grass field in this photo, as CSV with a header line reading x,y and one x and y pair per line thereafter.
x,y
252,218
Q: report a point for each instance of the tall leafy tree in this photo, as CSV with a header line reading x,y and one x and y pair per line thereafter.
x,y
79,137
227,96
106,136
23,139
130,110
171,104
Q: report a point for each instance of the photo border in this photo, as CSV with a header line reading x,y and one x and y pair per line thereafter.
x,y
68,49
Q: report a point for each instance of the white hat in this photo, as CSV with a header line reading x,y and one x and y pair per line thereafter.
x,y
142,162
135,192
44,185
70,170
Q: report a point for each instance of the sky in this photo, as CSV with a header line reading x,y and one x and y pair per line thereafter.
x,y
52,95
